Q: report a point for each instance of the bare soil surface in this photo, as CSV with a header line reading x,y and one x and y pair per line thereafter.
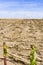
x,y
19,34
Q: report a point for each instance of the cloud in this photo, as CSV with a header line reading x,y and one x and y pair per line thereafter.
x,y
8,4
22,14
21,10
33,14
16,4
11,6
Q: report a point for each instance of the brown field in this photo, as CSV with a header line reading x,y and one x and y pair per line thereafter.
x,y
19,34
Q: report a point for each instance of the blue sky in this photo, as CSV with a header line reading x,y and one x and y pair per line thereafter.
x,y
21,8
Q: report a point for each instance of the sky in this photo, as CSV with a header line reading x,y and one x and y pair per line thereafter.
x,y
21,8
